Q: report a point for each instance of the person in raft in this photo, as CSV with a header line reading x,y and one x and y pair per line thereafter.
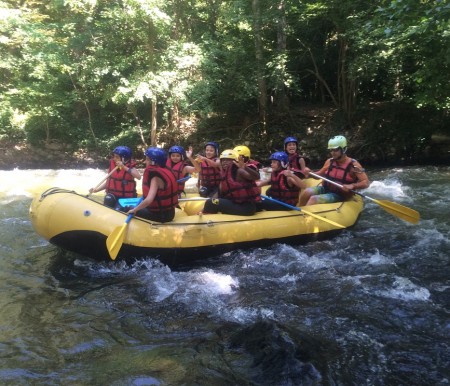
x,y
297,163
245,153
209,176
122,182
237,191
159,188
341,169
180,167
285,185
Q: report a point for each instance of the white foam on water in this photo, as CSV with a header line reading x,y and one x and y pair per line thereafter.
x,y
388,189
403,289
378,259
217,283
28,183
429,237
249,314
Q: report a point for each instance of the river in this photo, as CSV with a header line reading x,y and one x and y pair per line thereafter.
x,y
369,307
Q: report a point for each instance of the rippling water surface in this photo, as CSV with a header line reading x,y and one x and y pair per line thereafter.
x,y
369,307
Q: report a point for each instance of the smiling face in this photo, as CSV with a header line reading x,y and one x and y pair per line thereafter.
x,y
210,151
175,157
291,147
226,163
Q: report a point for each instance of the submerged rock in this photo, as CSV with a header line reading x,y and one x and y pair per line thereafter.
x,y
278,358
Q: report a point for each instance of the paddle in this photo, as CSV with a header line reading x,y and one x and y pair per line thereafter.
x,y
393,208
134,201
304,211
115,239
102,181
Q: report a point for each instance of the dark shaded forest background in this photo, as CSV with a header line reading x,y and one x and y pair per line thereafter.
x,y
79,77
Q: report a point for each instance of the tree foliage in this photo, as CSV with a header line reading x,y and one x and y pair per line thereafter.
x,y
96,73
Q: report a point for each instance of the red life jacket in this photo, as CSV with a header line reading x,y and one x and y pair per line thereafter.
x,y
294,161
209,176
177,170
280,189
341,174
236,191
254,163
121,183
255,191
166,198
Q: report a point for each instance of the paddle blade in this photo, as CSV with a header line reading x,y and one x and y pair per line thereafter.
x,y
400,211
115,240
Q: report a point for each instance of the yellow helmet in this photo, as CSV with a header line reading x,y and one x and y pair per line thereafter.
x,y
229,154
243,150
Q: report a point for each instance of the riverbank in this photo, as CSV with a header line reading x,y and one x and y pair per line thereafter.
x,y
383,135
52,156
24,156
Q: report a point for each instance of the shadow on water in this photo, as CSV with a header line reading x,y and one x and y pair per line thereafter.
x,y
183,314
81,276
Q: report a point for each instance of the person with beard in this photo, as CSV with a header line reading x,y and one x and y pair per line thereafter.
x,y
341,169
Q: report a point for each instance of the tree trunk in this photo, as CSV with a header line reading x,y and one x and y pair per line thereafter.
x,y
282,101
88,112
154,123
346,86
175,116
262,98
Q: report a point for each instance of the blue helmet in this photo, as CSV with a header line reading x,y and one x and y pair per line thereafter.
x,y
178,149
282,157
289,140
215,145
123,151
157,155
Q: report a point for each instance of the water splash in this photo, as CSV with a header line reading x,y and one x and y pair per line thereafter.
x,y
404,289
388,189
17,182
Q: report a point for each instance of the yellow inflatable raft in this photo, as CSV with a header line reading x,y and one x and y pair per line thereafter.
x,y
81,224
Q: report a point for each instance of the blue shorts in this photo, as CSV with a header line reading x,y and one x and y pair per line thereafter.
x,y
323,196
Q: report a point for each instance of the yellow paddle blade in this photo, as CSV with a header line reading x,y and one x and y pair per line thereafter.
x,y
400,211
115,240
323,219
